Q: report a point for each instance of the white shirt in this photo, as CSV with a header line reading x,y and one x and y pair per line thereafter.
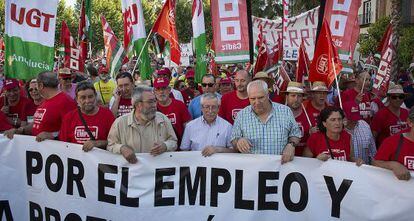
x,y
198,134
177,95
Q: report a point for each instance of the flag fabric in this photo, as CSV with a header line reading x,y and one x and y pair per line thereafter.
x,y
212,62
388,51
276,52
114,51
325,64
262,54
29,42
135,35
84,31
303,63
199,37
165,27
370,63
282,80
72,57
1,51
285,4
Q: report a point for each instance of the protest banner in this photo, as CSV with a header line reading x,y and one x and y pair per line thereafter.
x,y
29,37
230,31
55,180
300,27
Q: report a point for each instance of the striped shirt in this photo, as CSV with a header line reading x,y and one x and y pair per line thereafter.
x,y
270,137
363,141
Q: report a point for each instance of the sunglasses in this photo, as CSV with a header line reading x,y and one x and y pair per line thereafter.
x,y
32,89
209,84
395,97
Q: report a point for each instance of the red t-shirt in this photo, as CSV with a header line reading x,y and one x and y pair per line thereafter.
x,y
73,130
388,149
50,113
364,106
178,114
341,148
231,105
386,124
304,127
4,123
313,113
24,108
125,106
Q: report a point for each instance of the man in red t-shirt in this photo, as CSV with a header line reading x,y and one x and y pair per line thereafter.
x,y
48,117
392,119
360,95
319,93
175,110
14,105
294,98
4,123
98,119
233,102
120,103
401,161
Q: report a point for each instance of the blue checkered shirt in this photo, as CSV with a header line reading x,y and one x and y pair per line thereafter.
x,y
363,142
270,137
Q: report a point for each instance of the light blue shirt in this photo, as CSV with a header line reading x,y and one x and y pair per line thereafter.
x,y
198,134
270,137
195,106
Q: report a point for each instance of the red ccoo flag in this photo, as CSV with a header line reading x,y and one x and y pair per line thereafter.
x,y
326,63
262,54
165,26
303,63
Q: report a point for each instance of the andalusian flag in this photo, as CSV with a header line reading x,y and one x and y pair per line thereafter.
x,y
29,42
84,30
134,17
199,35
114,51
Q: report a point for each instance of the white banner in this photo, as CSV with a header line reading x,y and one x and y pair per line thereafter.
x,y
53,180
300,27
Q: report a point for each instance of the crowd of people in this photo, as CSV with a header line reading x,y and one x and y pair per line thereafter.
x,y
233,112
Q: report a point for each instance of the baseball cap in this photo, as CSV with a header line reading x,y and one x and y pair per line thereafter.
x,y
161,82
103,70
189,74
225,80
10,84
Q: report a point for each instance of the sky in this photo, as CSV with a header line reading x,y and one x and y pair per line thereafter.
x,y
70,2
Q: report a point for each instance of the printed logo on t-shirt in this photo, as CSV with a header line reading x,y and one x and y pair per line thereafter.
x,y
409,162
81,135
338,154
395,129
301,128
365,109
38,116
172,118
234,113
124,109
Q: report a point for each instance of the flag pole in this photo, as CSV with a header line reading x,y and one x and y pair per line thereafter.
x,y
363,84
307,116
337,84
140,53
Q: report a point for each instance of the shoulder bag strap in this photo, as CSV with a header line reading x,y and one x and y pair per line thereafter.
x,y
85,125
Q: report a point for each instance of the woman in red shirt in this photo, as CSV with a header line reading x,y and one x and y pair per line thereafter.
x,y
331,141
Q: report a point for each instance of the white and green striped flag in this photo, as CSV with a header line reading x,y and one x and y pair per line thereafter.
x,y
199,35
135,15
29,37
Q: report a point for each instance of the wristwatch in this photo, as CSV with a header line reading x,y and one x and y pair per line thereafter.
x,y
292,143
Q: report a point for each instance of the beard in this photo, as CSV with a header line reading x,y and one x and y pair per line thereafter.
x,y
149,114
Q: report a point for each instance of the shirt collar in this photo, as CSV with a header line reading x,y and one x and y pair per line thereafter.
x,y
205,122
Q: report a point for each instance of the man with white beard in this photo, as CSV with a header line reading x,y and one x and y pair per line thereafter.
x,y
144,130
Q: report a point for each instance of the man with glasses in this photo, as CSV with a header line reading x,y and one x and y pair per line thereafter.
x,y
144,130
208,84
14,105
65,82
120,103
208,133
265,127
391,119
174,109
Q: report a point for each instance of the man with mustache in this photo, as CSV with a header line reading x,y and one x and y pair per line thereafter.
x,y
84,125
144,130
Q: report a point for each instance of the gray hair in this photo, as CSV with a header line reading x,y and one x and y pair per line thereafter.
x,y
48,79
209,76
209,96
258,83
137,93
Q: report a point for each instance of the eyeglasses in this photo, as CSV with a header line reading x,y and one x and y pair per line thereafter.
x,y
32,89
207,84
395,97
210,107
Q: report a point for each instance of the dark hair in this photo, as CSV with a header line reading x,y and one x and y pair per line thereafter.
x,y
92,70
48,79
85,85
324,115
124,75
